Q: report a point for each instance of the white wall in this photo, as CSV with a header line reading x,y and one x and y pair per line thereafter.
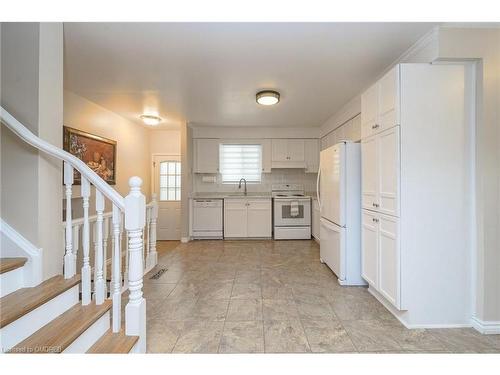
x,y
133,141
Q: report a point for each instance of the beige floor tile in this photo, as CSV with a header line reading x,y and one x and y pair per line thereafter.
x,y
217,290
276,309
327,336
157,291
244,310
466,340
314,308
247,276
199,337
276,292
359,307
246,291
372,335
285,337
242,337
162,335
210,309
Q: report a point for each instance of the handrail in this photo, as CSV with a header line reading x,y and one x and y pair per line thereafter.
x,y
30,138
92,218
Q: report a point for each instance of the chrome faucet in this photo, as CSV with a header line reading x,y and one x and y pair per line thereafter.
x,y
239,186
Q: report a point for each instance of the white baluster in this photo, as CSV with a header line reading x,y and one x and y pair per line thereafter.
x,y
76,244
105,237
135,217
98,280
146,238
116,271
86,278
69,271
152,231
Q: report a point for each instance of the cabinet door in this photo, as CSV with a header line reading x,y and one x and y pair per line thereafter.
x,y
206,156
235,218
389,260
279,149
259,216
369,109
369,173
295,150
355,133
312,155
369,248
388,102
266,156
388,171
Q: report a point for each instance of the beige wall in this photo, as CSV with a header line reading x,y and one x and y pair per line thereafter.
x,y
31,90
133,149
165,142
483,45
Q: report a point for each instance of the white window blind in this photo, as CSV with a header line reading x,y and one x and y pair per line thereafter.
x,y
240,161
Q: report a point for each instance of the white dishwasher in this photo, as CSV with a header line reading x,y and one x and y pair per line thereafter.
x,y
207,218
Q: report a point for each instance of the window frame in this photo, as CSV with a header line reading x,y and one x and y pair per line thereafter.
x,y
177,175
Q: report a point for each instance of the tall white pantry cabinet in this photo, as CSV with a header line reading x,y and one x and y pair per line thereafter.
x,y
415,194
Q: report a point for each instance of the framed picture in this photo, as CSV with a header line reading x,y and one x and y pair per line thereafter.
x,y
97,152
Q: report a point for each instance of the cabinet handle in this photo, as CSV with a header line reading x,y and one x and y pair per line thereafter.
x,y
375,205
375,220
375,126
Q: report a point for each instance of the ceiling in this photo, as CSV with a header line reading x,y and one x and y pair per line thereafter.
x,y
209,73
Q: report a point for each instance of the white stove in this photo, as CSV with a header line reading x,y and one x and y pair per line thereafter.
x,y
291,212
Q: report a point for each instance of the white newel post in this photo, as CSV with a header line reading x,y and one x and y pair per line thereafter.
x,y
135,218
69,270
86,276
116,271
152,231
99,281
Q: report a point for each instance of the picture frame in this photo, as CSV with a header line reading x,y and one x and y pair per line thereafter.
x,y
97,152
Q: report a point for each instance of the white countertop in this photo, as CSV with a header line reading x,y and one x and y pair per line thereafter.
x,y
225,195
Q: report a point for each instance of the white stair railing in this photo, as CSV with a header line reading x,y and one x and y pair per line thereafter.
x,y
133,209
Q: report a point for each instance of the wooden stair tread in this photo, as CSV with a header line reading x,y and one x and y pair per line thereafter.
x,y
22,301
10,264
60,333
114,343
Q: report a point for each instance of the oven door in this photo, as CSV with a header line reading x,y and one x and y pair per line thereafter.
x,y
285,216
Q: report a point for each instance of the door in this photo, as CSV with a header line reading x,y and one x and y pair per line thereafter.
x,y
333,184
295,149
388,171
279,149
207,156
369,248
332,247
369,109
259,218
388,102
369,180
235,218
389,277
167,186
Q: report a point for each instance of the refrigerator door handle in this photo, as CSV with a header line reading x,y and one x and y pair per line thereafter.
x,y
317,186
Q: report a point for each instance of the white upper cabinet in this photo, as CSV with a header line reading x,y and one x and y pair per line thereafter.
x,y
380,170
206,155
288,153
380,104
266,156
311,147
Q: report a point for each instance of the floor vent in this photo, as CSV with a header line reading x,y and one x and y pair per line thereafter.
x,y
158,274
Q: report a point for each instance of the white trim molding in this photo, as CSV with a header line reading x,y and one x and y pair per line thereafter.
x,y
185,239
488,327
32,274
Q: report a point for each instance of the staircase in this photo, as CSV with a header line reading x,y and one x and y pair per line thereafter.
x,y
81,310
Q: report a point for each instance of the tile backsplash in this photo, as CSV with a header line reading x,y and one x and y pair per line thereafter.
x,y
277,176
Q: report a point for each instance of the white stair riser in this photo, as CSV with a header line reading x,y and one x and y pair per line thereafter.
x,y
11,281
91,335
28,324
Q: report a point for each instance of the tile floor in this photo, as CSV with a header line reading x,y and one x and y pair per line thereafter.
x,y
275,297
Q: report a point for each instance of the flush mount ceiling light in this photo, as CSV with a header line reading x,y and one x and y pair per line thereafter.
x,y
150,119
268,97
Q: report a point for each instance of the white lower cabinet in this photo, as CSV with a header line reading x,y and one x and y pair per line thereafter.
x,y
247,218
381,255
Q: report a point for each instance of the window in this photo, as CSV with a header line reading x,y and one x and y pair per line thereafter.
x,y
240,161
170,181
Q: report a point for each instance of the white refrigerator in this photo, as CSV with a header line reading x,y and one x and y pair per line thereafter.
x,y
339,198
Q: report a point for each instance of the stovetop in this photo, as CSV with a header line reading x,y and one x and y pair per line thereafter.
x,y
288,191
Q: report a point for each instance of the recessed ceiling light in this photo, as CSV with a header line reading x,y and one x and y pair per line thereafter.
x,y
150,119
268,97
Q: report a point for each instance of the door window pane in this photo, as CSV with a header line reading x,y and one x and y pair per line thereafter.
x,y
170,180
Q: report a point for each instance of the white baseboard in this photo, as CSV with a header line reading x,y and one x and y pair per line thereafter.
x,y
486,327
184,239
21,247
